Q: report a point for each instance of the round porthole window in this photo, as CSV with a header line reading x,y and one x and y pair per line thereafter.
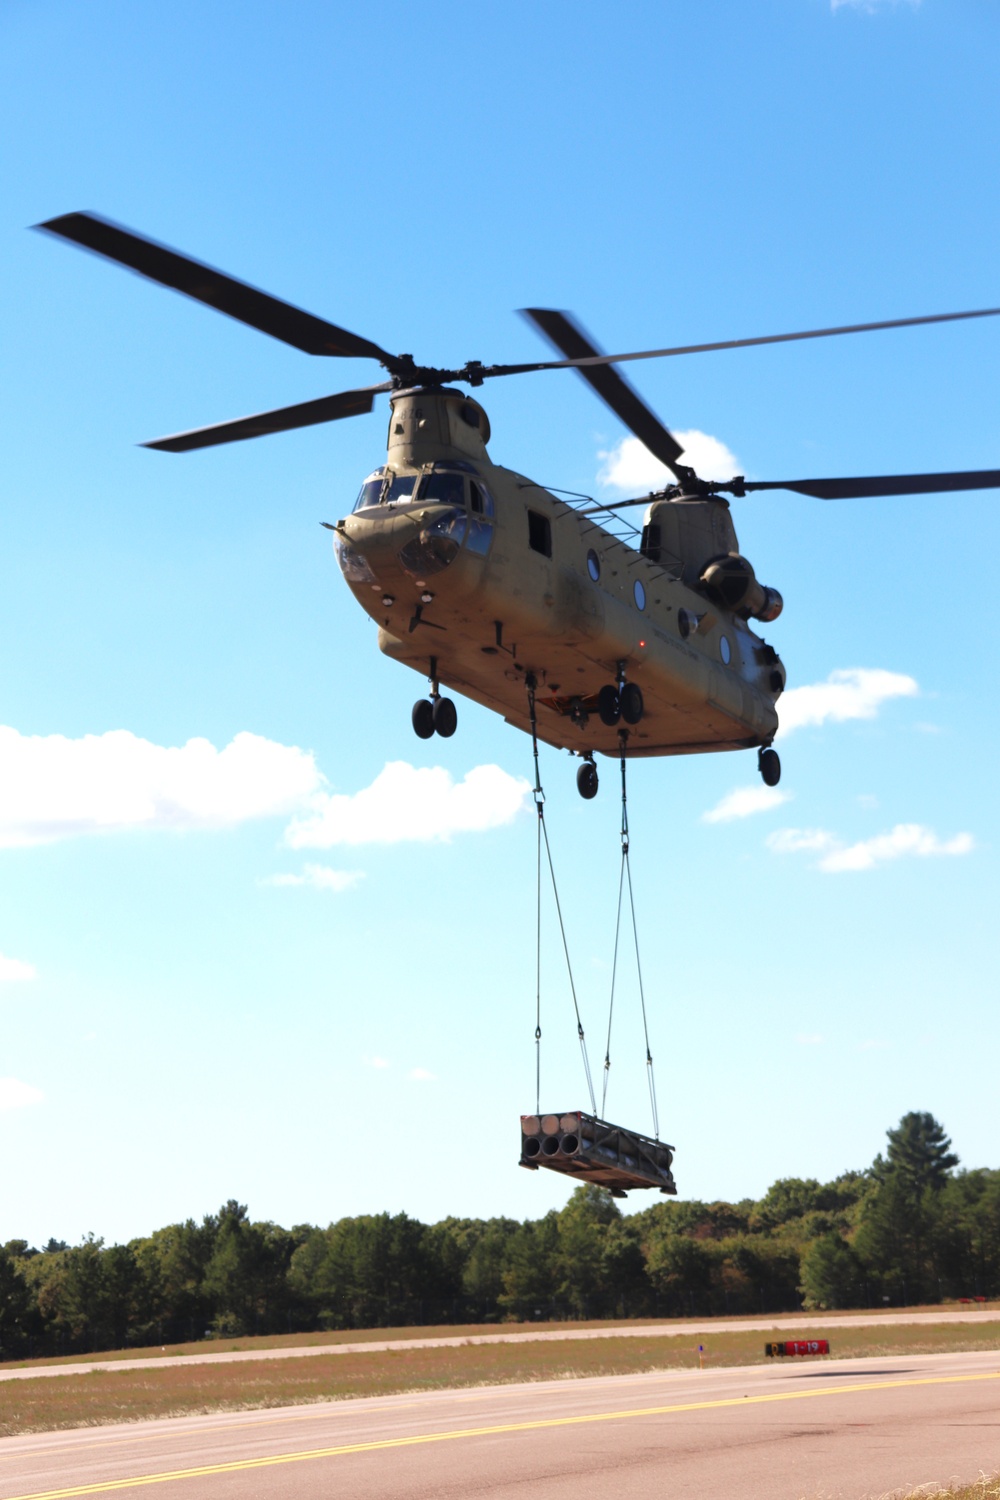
x,y
639,595
724,649
593,565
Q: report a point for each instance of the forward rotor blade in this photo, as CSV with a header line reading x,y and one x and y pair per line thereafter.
x,y
227,295
283,418
883,484
596,360
567,335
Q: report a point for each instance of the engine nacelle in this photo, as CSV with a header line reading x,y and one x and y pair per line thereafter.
x,y
731,582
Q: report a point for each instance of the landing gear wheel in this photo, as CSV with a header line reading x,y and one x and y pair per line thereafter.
x,y
445,718
769,766
586,780
632,704
423,718
609,707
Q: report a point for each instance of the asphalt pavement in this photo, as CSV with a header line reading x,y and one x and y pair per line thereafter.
x,y
836,1429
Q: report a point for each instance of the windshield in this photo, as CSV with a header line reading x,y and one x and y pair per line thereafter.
x,y
401,489
374,491
447,488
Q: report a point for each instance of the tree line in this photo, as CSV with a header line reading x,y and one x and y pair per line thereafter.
x,y
909,1228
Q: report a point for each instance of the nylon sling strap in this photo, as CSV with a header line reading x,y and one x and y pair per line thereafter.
x,y
625,880
543,838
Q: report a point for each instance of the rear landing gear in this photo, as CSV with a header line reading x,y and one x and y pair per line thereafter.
x,y
769,767
586,780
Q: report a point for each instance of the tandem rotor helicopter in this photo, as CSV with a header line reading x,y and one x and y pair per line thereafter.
x,y
490,585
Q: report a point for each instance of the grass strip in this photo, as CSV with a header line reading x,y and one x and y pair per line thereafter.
x,y
985,1488
129,1395
317,1338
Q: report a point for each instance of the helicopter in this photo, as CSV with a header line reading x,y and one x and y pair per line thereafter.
x,y
494,587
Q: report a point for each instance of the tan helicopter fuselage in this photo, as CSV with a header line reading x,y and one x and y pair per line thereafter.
x,y
483,581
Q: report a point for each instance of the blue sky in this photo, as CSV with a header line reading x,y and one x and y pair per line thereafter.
x,y
261,965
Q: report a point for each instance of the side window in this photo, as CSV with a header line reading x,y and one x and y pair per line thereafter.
x,y
539,533
482,500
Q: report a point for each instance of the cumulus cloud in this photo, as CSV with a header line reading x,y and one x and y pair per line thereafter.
x,y
630,466
904,839
743,802
421,1075
320,877
850,693
52,787
14,969
15,1095
836,857
405,803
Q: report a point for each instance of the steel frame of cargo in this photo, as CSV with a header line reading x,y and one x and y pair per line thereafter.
x,y
592,1150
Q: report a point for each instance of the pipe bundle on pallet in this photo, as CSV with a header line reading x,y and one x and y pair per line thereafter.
x,y
591,1150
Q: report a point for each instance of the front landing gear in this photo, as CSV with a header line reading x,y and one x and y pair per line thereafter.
x,y
434,715
620,700
769,767
586,780
423,718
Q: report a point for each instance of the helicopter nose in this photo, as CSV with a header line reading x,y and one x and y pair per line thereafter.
x,y
417,543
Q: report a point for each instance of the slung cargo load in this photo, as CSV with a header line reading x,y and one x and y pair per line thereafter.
x,y
591,1150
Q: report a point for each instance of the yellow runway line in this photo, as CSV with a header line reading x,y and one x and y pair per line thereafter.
x,y
239,1465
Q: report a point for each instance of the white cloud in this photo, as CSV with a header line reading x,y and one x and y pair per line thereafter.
x,y
14,969
850,693
52,787
421,1075
836,857
744,801
15,1095
377,1062
904,839
405,803
321,877
810,1039
630,466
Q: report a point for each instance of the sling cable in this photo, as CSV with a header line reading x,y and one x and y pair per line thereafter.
x,y
581,1145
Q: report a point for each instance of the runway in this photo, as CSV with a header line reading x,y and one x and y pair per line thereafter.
x,y
841,1430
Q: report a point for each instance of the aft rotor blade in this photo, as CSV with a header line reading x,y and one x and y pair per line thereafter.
x,y
883,484
595,359
205,284
582,354
282,419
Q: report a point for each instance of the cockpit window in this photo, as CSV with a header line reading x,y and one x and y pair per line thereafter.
x,y
370,491
449,489
401,489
